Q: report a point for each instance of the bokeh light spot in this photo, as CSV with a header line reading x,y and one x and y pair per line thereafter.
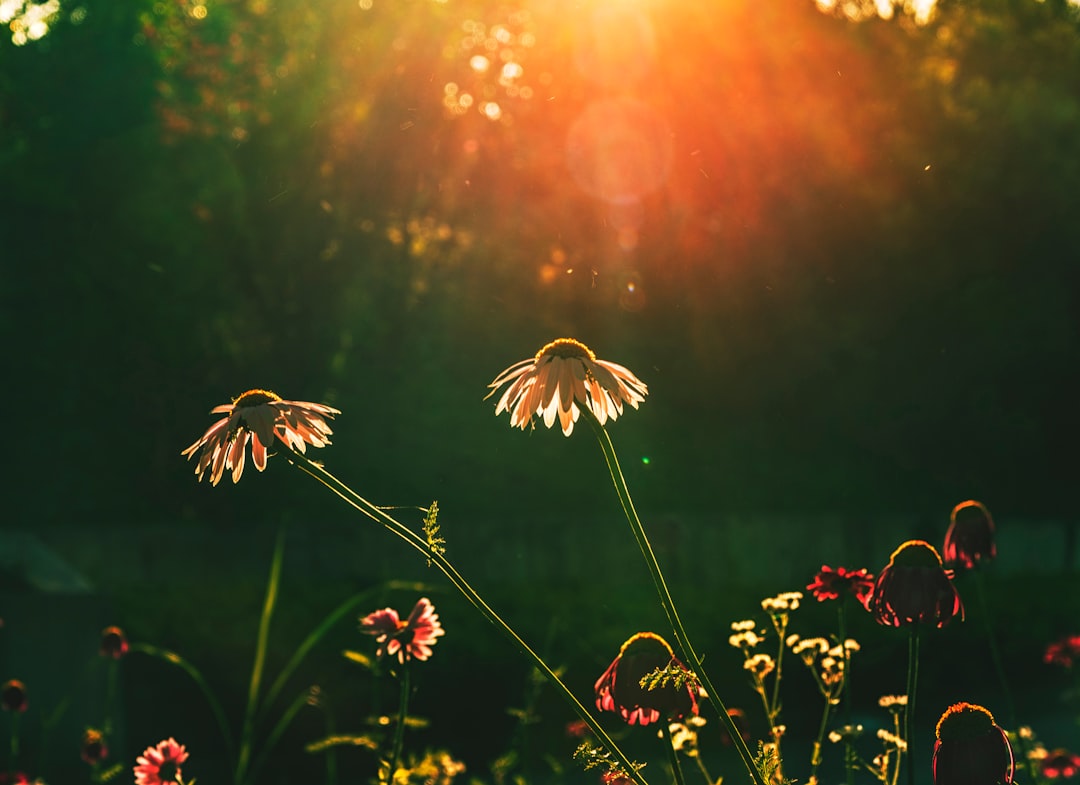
x,y
619,150
479,63
199,11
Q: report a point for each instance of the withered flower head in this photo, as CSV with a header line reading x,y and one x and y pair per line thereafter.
x,y
93,746
971,749
914,589
113,643
970,537
13,696
619,688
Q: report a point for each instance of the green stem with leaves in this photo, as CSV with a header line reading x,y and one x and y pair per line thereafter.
x,y
665,595
436,557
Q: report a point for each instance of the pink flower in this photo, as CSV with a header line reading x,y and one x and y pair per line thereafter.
x,y
1063,652
258,417
160,764
619,688
830,584
409,639
914,589
970,538
1060,763
562,375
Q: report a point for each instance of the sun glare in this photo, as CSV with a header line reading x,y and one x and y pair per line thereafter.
x,y
28,21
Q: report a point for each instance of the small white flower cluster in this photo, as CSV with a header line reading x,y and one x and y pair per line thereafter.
x,y
893,739
745,640
832,670
807,648
761,665
742,626
846,732
684,737
892,702
785,601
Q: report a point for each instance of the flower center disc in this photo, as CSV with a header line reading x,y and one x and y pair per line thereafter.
x,y
255,398
566,348
916,553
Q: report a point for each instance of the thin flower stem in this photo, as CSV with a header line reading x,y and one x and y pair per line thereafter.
x,y
248,732
779,623
909,711
704,771
665,596
898,728
320,632
279,728
361,504
215,706
815,756
399,730
849,766
673,754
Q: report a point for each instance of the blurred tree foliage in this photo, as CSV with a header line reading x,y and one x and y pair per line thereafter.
x,y
856,288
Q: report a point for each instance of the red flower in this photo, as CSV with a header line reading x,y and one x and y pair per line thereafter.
x,y
160,764
914,588
412,638
93,746
829,584
970,538
1063,652
1060,763
619,688
113,643
971,749
13,696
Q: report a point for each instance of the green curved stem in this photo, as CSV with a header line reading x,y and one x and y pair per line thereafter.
x,y
361,504
399,730
673,754
909,712
248,732
849,763
665,596
279,728
215,706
